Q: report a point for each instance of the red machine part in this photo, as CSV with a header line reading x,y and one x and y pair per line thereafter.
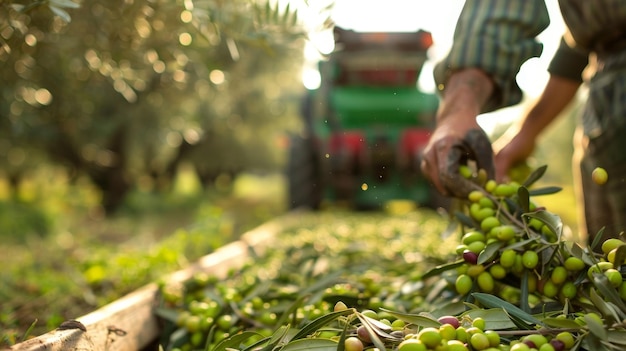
x,y
348,152
354,142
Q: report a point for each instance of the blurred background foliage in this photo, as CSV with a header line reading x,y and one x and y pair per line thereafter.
x,y
124,92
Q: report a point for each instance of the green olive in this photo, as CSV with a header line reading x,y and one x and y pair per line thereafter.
x,y
479,341
412,345
530,259
614,276
574,264
485,282
567,338
430,337
611,244
473,236
558,275
463,284
494,338
353,343
550,289
497,271
507,258
569,290
599,176
505,190
488,223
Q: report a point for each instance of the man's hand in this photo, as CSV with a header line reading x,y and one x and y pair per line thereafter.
x,y
458,137
452,145
518,143
511,149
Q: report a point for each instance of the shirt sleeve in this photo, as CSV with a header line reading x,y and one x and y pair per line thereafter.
x,y
497,36
569,62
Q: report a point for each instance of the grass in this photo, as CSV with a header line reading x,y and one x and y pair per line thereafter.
x,y
62,259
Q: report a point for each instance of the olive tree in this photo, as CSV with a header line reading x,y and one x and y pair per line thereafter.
x,y
124,91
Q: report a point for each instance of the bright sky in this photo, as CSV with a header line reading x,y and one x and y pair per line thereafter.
x,y
439,17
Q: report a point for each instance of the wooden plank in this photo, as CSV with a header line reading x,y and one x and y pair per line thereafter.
x,y
125,324
129,324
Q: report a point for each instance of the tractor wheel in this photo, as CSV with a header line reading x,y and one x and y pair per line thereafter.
x,y
305,187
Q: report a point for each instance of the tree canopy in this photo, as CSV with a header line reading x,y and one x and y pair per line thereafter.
x,y
125,91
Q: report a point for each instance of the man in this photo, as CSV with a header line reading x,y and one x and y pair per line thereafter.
x,y
492,40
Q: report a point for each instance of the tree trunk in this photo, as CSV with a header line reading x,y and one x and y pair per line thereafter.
x,y
112,179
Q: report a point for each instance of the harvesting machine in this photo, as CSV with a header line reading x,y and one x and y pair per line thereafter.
x,y
365,126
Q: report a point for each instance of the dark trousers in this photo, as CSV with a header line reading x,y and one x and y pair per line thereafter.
x,y
601,142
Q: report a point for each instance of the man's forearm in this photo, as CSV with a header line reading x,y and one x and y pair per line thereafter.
x,y
466,92
557,95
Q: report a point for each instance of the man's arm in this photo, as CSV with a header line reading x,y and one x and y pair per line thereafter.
x,y
497,37
492,39
462,101
519,141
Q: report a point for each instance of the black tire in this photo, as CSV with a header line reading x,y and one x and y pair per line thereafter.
x,y
305,187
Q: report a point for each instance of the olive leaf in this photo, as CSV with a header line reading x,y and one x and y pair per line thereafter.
x,y
490,252
178,338
65,3
416,319
552,220
256,345
442,268
61,13
602,306
342,339
495,318
519,244
311,344
597,239
595,327
376,324
524,293
535,176
548,254
589,258
449,309
601,282
168,314
372,331
523,198
319,322
234,341
548,190
564,323
492,301
592,342
617,337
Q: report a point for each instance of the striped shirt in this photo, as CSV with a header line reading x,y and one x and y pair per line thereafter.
x,y
498,36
